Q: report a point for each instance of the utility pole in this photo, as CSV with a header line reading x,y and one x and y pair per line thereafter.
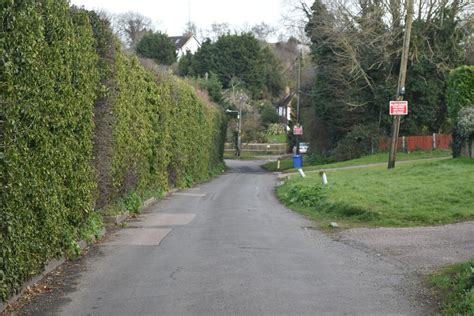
x,y
239,117
298,103
401,84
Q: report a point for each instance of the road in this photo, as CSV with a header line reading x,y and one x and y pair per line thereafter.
x,y
229,247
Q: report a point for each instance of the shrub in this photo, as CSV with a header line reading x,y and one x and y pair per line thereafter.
x,y
362,140
48,79
463,133
268,115
305,195
276,129
466,122
158,47
460,92
213,87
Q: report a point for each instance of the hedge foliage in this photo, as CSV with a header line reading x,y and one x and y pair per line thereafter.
x,y
83,124
460,92
459,95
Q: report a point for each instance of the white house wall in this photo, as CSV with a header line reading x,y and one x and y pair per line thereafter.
x,y
192,45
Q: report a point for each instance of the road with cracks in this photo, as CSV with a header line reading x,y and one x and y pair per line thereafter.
x,y
228,247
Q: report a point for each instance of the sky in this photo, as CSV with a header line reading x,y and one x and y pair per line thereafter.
x,y
170,16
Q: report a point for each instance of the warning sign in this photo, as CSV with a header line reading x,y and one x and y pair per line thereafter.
x,y
298,130
398,107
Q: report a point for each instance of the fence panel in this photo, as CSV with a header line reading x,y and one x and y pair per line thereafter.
x,y
413,143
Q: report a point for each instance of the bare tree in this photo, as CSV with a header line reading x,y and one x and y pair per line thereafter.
x,y
262,31
190,28
131,26
295,18
216,31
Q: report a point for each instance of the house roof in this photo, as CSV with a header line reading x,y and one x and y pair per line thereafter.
x,y
283,102
180,41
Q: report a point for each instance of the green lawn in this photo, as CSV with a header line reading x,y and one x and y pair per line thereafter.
x,y
287,164
456,284
277,139
425,193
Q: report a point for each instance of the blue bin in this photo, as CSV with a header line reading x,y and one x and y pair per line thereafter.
x,y
297,161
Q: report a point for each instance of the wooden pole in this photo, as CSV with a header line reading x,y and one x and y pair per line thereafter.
x,y
298,102
401,84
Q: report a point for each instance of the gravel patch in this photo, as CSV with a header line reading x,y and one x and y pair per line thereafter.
x,y
421,248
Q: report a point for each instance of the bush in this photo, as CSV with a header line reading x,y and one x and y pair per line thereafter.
x,y
268,115
459,92
361,141
48,78
213,87
463,133
276,129
308,195
158,47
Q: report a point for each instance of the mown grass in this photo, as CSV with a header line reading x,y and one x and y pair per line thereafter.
x,y
456,284
287,164
277,139
425,193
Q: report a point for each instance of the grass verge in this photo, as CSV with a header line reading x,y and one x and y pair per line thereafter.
x,y
456,285
287,164
425,193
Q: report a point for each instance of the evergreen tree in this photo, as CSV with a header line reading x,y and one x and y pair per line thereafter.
x,y
240,56
158,47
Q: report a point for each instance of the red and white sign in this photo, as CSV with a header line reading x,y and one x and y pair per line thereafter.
x,y
298,130
398,107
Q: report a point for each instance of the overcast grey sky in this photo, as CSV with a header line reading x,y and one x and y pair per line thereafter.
x,y
172,15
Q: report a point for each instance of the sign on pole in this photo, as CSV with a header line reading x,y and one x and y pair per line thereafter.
x,y
298,130
398,107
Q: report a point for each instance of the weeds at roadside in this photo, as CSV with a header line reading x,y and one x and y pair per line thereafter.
x,y
456,284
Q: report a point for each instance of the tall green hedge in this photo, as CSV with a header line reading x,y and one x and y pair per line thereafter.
x,y
459,95
48,80
460,91
82,124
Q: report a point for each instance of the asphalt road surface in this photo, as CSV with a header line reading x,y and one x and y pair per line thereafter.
x,y
229,247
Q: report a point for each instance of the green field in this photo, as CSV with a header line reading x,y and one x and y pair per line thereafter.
x,y
456,285
414,194
287,164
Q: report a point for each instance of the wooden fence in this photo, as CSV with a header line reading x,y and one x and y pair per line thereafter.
x,y
413,143
269,148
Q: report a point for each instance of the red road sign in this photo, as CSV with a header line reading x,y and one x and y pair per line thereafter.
x,y
398,107
298,130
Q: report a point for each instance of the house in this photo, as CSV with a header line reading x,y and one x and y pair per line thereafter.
x,y
185,43
283,107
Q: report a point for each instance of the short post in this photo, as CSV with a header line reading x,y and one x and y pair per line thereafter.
x,y
434,140
324,177
278,163
301,172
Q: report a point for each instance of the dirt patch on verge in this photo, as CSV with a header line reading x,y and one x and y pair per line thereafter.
x,y
421,248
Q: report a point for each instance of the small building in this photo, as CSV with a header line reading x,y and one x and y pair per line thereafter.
x,y
283,107
185,43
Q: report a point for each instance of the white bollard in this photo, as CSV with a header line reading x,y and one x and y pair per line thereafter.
x,y
278,164
324,177
300,171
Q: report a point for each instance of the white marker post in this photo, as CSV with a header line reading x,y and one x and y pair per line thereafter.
x,y
324,177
